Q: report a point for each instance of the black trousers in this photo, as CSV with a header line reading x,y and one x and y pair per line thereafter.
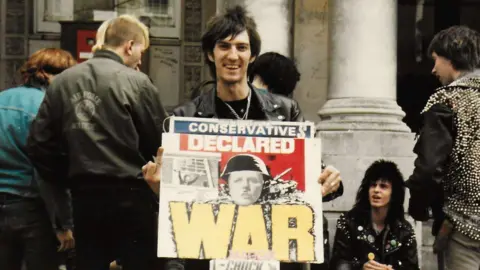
x,y
115,223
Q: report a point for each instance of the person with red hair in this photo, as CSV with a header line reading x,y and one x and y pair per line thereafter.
x,y
25,228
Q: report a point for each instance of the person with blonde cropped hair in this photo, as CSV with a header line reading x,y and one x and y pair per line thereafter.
x,y
100,122
100,36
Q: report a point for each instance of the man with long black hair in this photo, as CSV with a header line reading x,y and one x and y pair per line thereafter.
x,y
374,235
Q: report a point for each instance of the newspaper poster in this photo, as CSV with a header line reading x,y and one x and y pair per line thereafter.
x,y
241,197
226,127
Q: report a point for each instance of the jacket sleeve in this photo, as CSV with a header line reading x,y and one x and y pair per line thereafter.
x,y
296,113
149,116
342,257
433,148
58,204
332,196
408,255
44,143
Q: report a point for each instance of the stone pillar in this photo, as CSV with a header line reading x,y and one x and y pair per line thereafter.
x,y
362,67
361,121
311,55
273,22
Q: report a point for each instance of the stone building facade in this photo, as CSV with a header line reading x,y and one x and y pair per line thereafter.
x,y
352,67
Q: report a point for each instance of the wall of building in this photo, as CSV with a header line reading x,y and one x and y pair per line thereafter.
x,y
14,26
310,51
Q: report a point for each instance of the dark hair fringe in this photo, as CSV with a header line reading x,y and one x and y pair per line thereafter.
x,y
460,45
231,23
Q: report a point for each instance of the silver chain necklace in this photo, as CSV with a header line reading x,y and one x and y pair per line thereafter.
x,y
245,115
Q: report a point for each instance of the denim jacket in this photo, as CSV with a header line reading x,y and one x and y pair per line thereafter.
x,y
18,108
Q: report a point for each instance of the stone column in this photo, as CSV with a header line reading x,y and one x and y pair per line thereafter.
x,y
361,121
362,67
273,22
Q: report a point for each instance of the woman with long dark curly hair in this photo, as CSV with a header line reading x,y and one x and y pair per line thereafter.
x,y
374,234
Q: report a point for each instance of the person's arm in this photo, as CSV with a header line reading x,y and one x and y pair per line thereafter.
x,y
296,113
44,143
58,203
332,196
152,172
433,149
149,116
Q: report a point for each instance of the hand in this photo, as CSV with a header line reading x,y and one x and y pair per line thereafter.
x,y
330,180
66,240
373,265
443,235
152,172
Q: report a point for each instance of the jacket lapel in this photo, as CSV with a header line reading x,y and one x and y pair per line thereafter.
x,y
270,107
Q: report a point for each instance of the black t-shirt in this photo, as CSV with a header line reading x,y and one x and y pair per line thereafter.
x,y
254,113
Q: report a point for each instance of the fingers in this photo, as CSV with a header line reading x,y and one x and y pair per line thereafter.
x,y
71,242
330,180
67,244
376,265
327,190
66,239
151,168
152,171
159,156
62,246
144,170
326,173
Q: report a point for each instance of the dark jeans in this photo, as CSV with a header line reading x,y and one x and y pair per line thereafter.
x,y
115,223
26,235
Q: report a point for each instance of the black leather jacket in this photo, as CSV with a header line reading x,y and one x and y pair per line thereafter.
x,y
433,147
355,239
275,108
99,119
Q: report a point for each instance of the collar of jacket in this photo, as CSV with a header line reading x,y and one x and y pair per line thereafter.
x,y
36,85
108,54
206,107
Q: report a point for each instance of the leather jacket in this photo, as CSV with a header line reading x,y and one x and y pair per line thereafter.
x,y
275,107
355,239
98,119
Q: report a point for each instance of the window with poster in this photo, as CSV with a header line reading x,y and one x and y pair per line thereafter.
x,y
162,16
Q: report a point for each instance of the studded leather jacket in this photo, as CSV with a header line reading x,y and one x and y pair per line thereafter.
x,y
356,240
461,181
